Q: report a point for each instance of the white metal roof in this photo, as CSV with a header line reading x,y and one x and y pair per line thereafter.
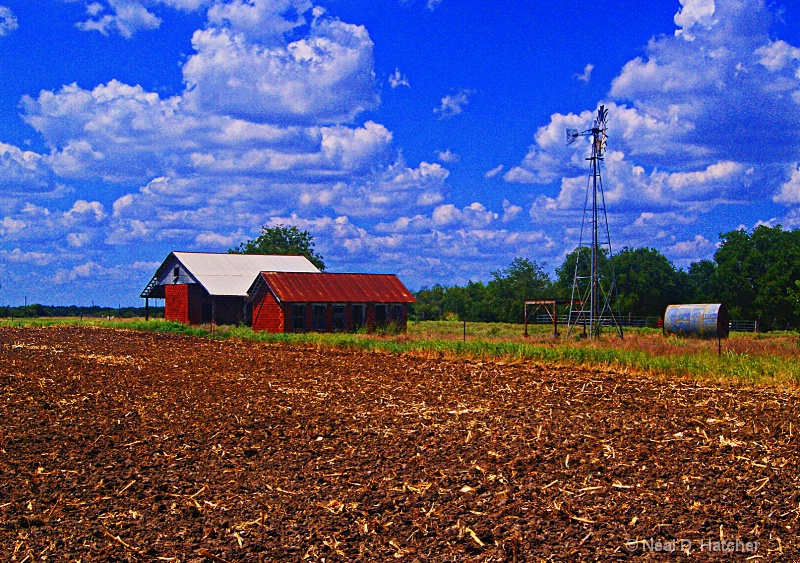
x,y
232,274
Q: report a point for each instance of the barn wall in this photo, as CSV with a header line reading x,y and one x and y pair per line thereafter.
x,y
402,322
176,303
183,303
286,309
267,312
271,316
370,314
197,298
228,310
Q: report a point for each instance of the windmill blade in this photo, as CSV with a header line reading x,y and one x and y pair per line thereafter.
x,y
602,115
572,135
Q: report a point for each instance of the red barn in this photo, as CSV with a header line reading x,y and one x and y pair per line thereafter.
x,y
297,302
205,287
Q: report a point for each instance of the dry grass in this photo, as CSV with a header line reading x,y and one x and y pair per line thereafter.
x,y
784,345
771,359
754,359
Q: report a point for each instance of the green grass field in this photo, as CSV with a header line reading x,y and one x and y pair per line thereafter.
x,y
771,359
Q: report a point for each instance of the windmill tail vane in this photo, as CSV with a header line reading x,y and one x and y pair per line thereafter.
x,y
572,135
597,132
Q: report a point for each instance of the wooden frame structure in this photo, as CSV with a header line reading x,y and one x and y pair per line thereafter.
x,y
552,313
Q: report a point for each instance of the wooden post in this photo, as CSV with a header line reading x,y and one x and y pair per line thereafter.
x,y
526,320
146,308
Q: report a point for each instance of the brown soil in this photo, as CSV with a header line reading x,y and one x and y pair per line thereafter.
x,y
128,446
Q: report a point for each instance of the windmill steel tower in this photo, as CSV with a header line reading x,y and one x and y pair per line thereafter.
x,y
594,301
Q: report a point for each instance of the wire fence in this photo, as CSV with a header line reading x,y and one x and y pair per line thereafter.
x,y
744,326
645,322
606,320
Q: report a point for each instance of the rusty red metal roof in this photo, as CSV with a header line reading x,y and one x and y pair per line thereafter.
x,y
328,287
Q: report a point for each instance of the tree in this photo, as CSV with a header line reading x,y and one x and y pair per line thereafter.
x,y
509,289
430,303
794,296
583,257
755,273
282,240
455,302
478,308
738,292
700,286
646,281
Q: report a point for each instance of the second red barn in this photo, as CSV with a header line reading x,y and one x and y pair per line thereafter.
x,y
325,302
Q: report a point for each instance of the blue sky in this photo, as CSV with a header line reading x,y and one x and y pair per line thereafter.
x,y
420,137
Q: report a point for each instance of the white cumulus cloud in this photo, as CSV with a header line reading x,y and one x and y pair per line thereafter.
x,y
326,77
586,75
453,104
20,256
397,79
128,17
447,156
494,171
125,17
263,22
8,21
789,191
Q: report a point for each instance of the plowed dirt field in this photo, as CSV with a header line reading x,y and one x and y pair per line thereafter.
x,y
129,446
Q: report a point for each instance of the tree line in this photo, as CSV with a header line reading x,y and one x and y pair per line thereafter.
x,y
755,274
36,310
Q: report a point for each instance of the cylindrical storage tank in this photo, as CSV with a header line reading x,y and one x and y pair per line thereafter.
x,y
706,320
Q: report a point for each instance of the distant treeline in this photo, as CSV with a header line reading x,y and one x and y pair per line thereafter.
x,y
36,310
756,274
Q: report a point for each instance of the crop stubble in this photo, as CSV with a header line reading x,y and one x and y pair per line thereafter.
x,y
128,446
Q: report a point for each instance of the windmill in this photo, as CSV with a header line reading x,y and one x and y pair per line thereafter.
x,y
594,293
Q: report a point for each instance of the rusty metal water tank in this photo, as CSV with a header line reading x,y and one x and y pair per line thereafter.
x,y
706,320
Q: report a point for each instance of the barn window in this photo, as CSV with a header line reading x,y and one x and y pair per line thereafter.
x,y
359,316
381,314
318,317
176,273
397,313
299,317
338,317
